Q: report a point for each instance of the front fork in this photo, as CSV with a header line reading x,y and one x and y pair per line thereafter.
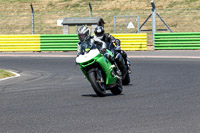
x,y
100,79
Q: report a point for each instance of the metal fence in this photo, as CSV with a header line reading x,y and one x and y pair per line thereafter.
x,y
126,24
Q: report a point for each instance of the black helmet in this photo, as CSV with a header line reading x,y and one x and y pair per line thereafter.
x,y
99,32
83,33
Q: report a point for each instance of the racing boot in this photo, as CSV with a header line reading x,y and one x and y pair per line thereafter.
x,y
128,65
121,64
118,73
127,61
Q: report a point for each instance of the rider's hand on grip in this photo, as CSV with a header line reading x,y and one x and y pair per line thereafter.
x,y
117,47
103,51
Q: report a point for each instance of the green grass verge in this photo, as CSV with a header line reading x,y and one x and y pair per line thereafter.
x,y
5,74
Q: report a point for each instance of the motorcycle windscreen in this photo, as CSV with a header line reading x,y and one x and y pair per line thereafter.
x,y
87,56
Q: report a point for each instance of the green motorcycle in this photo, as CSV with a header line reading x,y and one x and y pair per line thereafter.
x,y
100,72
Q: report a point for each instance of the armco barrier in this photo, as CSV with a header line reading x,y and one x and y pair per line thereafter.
x,y
19,42
179,40
59,42
132,41
63,42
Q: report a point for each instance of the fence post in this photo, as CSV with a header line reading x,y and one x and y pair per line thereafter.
x,y
32,18
153,20
90,9
114,24
138,25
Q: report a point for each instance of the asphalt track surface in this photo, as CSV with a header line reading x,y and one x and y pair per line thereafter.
x,y
52,96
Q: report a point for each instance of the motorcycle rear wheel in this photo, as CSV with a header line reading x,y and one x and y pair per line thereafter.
x,y
118,88
126,80
99,88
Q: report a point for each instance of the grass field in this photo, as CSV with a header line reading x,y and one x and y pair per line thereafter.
x,y
16,16
4,74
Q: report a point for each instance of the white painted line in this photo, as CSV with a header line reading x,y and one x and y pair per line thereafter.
x,y
19,55
16,75
174,57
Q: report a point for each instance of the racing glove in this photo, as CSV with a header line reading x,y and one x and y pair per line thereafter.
x,y
103,51
118,48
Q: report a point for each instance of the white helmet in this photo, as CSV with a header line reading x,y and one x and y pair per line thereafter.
x,y
83,33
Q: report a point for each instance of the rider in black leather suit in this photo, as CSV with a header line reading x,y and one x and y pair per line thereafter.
x,y
114,46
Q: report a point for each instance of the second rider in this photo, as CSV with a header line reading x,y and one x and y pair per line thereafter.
x,y
114,46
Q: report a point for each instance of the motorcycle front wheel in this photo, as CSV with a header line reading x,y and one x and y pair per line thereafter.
x,y
99,87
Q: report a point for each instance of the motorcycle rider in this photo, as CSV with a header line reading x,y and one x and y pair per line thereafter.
x,y
87,41
120,55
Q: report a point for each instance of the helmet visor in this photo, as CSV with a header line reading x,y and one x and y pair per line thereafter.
x,y
81,37
99,34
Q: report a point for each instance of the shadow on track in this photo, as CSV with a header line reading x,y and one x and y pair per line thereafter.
x,y
94,95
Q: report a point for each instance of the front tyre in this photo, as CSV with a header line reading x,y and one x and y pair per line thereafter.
x,y
99,87
118,88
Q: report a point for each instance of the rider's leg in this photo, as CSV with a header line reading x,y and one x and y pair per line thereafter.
x,y
121,64
127,61
110,58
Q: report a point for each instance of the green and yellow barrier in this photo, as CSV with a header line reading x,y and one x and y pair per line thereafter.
x,y
132,41
63,42
19,43
177,40
59,42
